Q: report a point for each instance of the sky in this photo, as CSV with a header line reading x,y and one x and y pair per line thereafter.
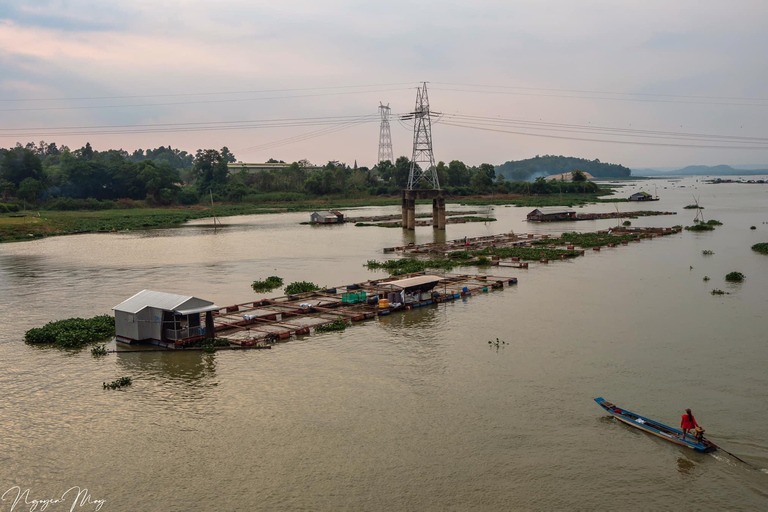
x,y
507,80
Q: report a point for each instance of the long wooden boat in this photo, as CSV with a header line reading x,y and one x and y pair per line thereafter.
x,y
666,432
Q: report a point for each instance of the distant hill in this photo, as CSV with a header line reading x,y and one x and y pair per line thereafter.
x,y
532,168
702,170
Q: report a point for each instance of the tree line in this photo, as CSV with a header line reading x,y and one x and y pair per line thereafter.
x,y
62,178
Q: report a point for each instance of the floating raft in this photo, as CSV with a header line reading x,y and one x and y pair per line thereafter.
x,y
280,318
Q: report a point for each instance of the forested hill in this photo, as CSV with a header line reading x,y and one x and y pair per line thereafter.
x,y
532,168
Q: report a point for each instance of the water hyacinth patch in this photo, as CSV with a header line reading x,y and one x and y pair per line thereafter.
x,y
73,332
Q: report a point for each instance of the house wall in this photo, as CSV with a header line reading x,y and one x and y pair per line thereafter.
x,y
126,325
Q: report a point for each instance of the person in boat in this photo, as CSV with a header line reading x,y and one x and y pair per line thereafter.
x,y
688,422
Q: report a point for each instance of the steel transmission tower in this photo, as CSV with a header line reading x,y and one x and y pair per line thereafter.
x,y
385,136
423,160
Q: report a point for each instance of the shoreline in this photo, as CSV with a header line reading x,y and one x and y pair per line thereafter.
x,y
35,225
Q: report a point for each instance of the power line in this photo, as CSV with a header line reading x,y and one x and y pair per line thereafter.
x,y
187,127
623,132
643,100
219,93
606,141
199,102
581,91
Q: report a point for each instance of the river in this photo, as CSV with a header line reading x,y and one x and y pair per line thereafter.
x,y
414,411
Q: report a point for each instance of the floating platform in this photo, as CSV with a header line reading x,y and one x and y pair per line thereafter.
x,y
270,320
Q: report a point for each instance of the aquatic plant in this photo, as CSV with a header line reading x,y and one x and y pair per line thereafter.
x,y
699,227
337,325
210,344
707,252
116,384
497,343
693,207
73,332
752,227
713,222
762,248
626,223
595,239
301,287
706,278
735,277
267,285
719,292
99,350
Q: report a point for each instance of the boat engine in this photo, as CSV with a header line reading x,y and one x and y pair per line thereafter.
x,y
699,434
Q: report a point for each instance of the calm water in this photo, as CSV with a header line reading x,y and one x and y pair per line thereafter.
x,y
413,411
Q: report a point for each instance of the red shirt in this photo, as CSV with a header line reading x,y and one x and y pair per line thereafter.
x,y
688,424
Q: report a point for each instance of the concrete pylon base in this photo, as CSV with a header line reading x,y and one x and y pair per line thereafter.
x,y
409,207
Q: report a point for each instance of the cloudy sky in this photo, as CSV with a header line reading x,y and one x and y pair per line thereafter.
x,y
512,79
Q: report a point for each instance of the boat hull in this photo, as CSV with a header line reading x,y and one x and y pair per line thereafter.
x,y
650,426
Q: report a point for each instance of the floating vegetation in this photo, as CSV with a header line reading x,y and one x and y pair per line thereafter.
x,y
693,207
73,332
526,253
719,292
117,384
762,248
409,265
735,277
337,325
626,223
707,252
706,278
752,227
712,222
498,343
210,344
267,285
99,350
301,287
699,227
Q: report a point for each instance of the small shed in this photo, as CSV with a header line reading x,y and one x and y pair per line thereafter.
x,y
640,196
550,213
411,289
326,218
163,319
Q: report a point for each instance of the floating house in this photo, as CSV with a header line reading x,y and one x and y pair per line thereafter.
x,y
164,319
641,196
550,213
409,290
332,217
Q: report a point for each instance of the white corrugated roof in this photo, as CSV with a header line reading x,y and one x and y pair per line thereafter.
x,y
153,299
413,281
549,210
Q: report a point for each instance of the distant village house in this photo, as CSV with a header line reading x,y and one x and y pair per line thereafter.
x,y
332,217
551,213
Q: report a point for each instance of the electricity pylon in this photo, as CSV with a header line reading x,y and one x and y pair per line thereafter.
x,y
385,137
423,160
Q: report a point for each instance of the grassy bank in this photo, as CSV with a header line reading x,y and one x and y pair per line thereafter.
x,y
38,224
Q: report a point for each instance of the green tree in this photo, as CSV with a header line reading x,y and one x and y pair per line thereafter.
x,y
29,189
401,172
481,182
160,181
458,174
18,164
578,176
210,170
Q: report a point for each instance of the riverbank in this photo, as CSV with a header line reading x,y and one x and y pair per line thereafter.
x,y
32,225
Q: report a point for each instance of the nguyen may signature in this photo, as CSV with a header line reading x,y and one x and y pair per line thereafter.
x,y
79,498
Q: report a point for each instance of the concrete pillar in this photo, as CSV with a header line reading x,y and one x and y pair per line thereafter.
x,y
435,215
411,214
404,208
441,213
